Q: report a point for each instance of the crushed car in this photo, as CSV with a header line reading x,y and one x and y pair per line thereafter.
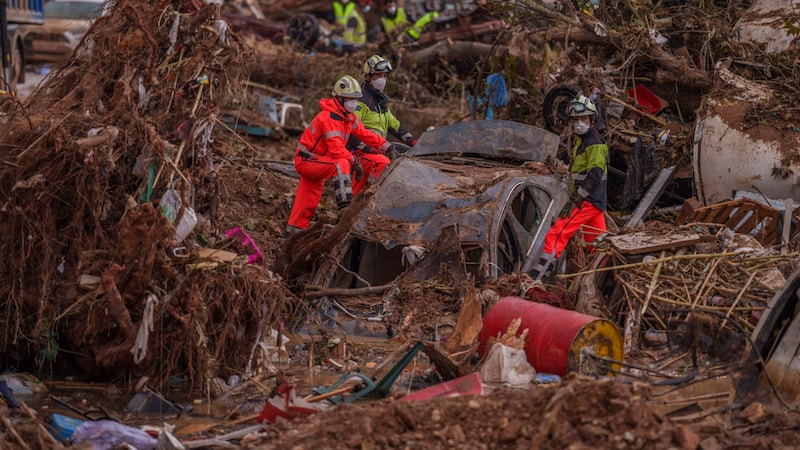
x,y
478,194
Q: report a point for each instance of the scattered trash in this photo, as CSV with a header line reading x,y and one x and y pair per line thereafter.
x,y
23,384
508,366
62,427
656,336
148,401
8,395
247,243
288,405
546,378
107,435
470,384
649,102
367,386
557,336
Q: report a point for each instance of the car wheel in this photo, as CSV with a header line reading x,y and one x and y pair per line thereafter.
x,y
304,30
554,107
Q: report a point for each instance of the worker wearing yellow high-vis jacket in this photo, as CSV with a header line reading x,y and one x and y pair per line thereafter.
x,y
354,37
415,31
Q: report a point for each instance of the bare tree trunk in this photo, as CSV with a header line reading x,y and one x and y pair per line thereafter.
x,y
680,69
453,51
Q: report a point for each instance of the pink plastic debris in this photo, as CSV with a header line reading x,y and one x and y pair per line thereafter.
x,y
255,254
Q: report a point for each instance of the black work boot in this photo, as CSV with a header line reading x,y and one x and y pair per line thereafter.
x,y
543,268
290,230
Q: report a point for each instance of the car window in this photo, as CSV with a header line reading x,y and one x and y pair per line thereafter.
x,y
73,10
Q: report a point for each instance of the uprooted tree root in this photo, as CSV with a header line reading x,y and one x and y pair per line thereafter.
x,y
79,206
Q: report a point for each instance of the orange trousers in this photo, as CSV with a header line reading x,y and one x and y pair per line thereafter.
x,y
313,173
591,220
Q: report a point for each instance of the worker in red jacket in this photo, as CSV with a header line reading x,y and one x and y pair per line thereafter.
x,y
321,153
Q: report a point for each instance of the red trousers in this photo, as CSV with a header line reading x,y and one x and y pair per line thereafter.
x,y
373,164
590,219
313,173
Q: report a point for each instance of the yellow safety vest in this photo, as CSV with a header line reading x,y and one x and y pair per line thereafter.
x,y
416,30
400,19
341,12
356,36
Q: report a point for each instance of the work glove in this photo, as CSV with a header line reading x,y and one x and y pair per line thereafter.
x,y
396,150
358,170
576,199
393,152
411,142
566,210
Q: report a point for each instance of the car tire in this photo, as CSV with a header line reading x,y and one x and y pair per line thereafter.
x,y
554,107
304,30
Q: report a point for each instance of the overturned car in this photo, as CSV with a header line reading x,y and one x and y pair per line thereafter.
x,y
477,196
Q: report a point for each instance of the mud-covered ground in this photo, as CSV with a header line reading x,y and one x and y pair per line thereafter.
x,y
575,414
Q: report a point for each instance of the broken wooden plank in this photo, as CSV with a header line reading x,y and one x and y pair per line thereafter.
x,y
650,198
217,255
640,242
742,215
690,205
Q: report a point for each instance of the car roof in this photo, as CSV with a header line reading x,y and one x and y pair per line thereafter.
x,y
489,138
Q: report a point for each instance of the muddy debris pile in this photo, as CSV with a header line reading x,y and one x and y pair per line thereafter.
x,y
109,165
143,213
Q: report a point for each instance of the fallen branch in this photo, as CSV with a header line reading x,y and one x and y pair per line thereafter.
x,y
454,51
313,291
13,432
685,74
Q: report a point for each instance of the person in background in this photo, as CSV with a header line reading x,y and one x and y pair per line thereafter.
x,y
373,110
394,19
588,188
321,153
354,36
417,28
341,10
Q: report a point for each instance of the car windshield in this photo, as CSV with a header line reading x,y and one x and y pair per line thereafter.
x,y
72,10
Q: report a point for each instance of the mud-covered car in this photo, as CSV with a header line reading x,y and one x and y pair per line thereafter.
x,y
478,196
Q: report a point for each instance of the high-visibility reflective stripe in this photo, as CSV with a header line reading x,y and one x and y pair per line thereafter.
x,y
331,134
582,176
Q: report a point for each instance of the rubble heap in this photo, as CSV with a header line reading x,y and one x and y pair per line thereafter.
x,y
106,168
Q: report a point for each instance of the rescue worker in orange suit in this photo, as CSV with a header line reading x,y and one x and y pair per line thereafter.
x,y
321,153
373,111
586,207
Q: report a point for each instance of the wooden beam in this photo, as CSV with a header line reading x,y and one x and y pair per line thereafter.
x,y
650,198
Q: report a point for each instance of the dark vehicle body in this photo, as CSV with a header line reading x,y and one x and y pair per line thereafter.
x,y
480,192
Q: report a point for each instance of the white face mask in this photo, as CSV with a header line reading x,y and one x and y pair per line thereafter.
x,y
379,84
350,105
392,10
580,127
